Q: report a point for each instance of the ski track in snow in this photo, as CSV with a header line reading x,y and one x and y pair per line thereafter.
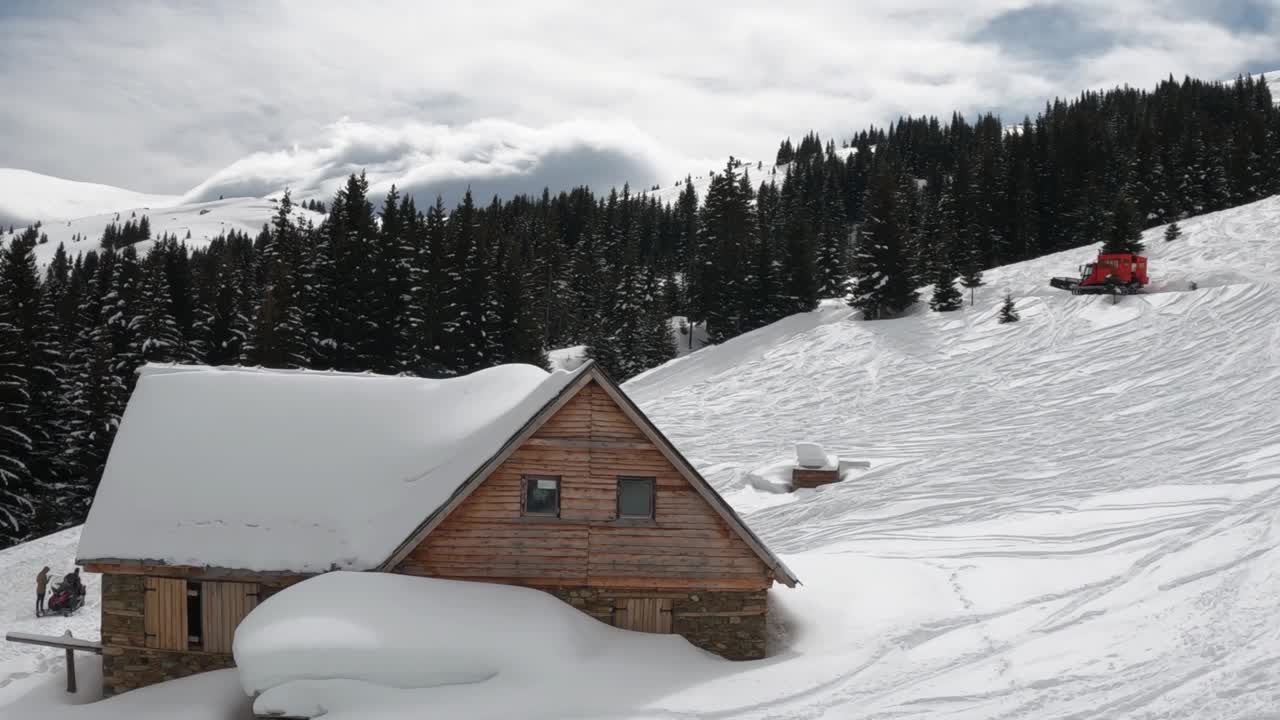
x,y
1069,517
1079,516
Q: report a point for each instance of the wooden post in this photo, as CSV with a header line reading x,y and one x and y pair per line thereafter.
x,y
71,666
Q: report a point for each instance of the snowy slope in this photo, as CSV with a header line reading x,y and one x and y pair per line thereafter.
x,y
1073,516
204,221
1070,516
758,170
26,197
67,209
18,569
571,358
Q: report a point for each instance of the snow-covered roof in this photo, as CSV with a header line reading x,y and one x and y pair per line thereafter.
x,y
272,470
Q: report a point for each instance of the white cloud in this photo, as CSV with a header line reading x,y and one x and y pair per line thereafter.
x,y
164,97
493,155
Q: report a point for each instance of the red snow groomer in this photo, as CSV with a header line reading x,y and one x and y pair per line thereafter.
x,y
1115,273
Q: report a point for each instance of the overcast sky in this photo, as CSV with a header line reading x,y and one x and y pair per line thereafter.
x,y
244,97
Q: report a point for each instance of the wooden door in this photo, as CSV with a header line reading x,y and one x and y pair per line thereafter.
x,y
225,604
164,613
643,614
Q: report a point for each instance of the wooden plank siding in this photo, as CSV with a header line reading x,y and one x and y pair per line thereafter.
x,y
223,606
651,615
165,613
588,443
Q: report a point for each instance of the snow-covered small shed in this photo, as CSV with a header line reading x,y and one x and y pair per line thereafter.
x,y
225,485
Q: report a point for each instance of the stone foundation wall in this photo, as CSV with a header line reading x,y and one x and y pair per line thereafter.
x,y
127,662
129,668
729,624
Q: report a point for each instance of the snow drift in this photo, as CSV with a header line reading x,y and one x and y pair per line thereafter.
x,y
26,197
315,646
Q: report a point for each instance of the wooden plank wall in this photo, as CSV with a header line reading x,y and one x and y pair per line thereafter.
x,y
225,604
652,615
588,443
165,613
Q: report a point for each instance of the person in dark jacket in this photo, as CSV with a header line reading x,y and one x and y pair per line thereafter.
x,y
72,582
42,584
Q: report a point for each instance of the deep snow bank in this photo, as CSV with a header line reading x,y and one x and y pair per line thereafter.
x,y
346,639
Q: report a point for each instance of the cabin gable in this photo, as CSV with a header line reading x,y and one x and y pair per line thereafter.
x,y
586,446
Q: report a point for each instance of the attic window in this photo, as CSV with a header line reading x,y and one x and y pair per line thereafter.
x,y
541,496
635,498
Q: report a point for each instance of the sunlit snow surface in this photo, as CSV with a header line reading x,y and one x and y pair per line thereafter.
x,y
1073,516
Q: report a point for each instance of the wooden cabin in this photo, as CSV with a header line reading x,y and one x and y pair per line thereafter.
x,y
225,485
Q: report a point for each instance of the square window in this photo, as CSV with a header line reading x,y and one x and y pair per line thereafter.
x,y
542,496
635,497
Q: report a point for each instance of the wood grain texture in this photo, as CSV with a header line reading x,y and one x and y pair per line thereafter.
x,y
165,613
225,605
588,443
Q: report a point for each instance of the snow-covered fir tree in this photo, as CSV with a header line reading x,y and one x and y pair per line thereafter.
x,y
832,240
1008,313
279,335
1123,234
157,336
17,511
883,285
946,297
971,270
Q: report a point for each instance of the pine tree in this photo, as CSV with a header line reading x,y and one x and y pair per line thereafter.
x,y
883,285
1123,234
1215,186
971,270
225,320
279,337
657,343
794,235
516,333
157,337
946,297
24,307
121,310
1007,312
17,512
351,333
833,235
392,269
95,393
766,267
463,327
433,270
1172,232
728,229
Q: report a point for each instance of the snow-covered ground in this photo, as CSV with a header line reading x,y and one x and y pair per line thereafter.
x,y
204,222
67,209
1072,516
27,669
26,197
686,339
350,646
